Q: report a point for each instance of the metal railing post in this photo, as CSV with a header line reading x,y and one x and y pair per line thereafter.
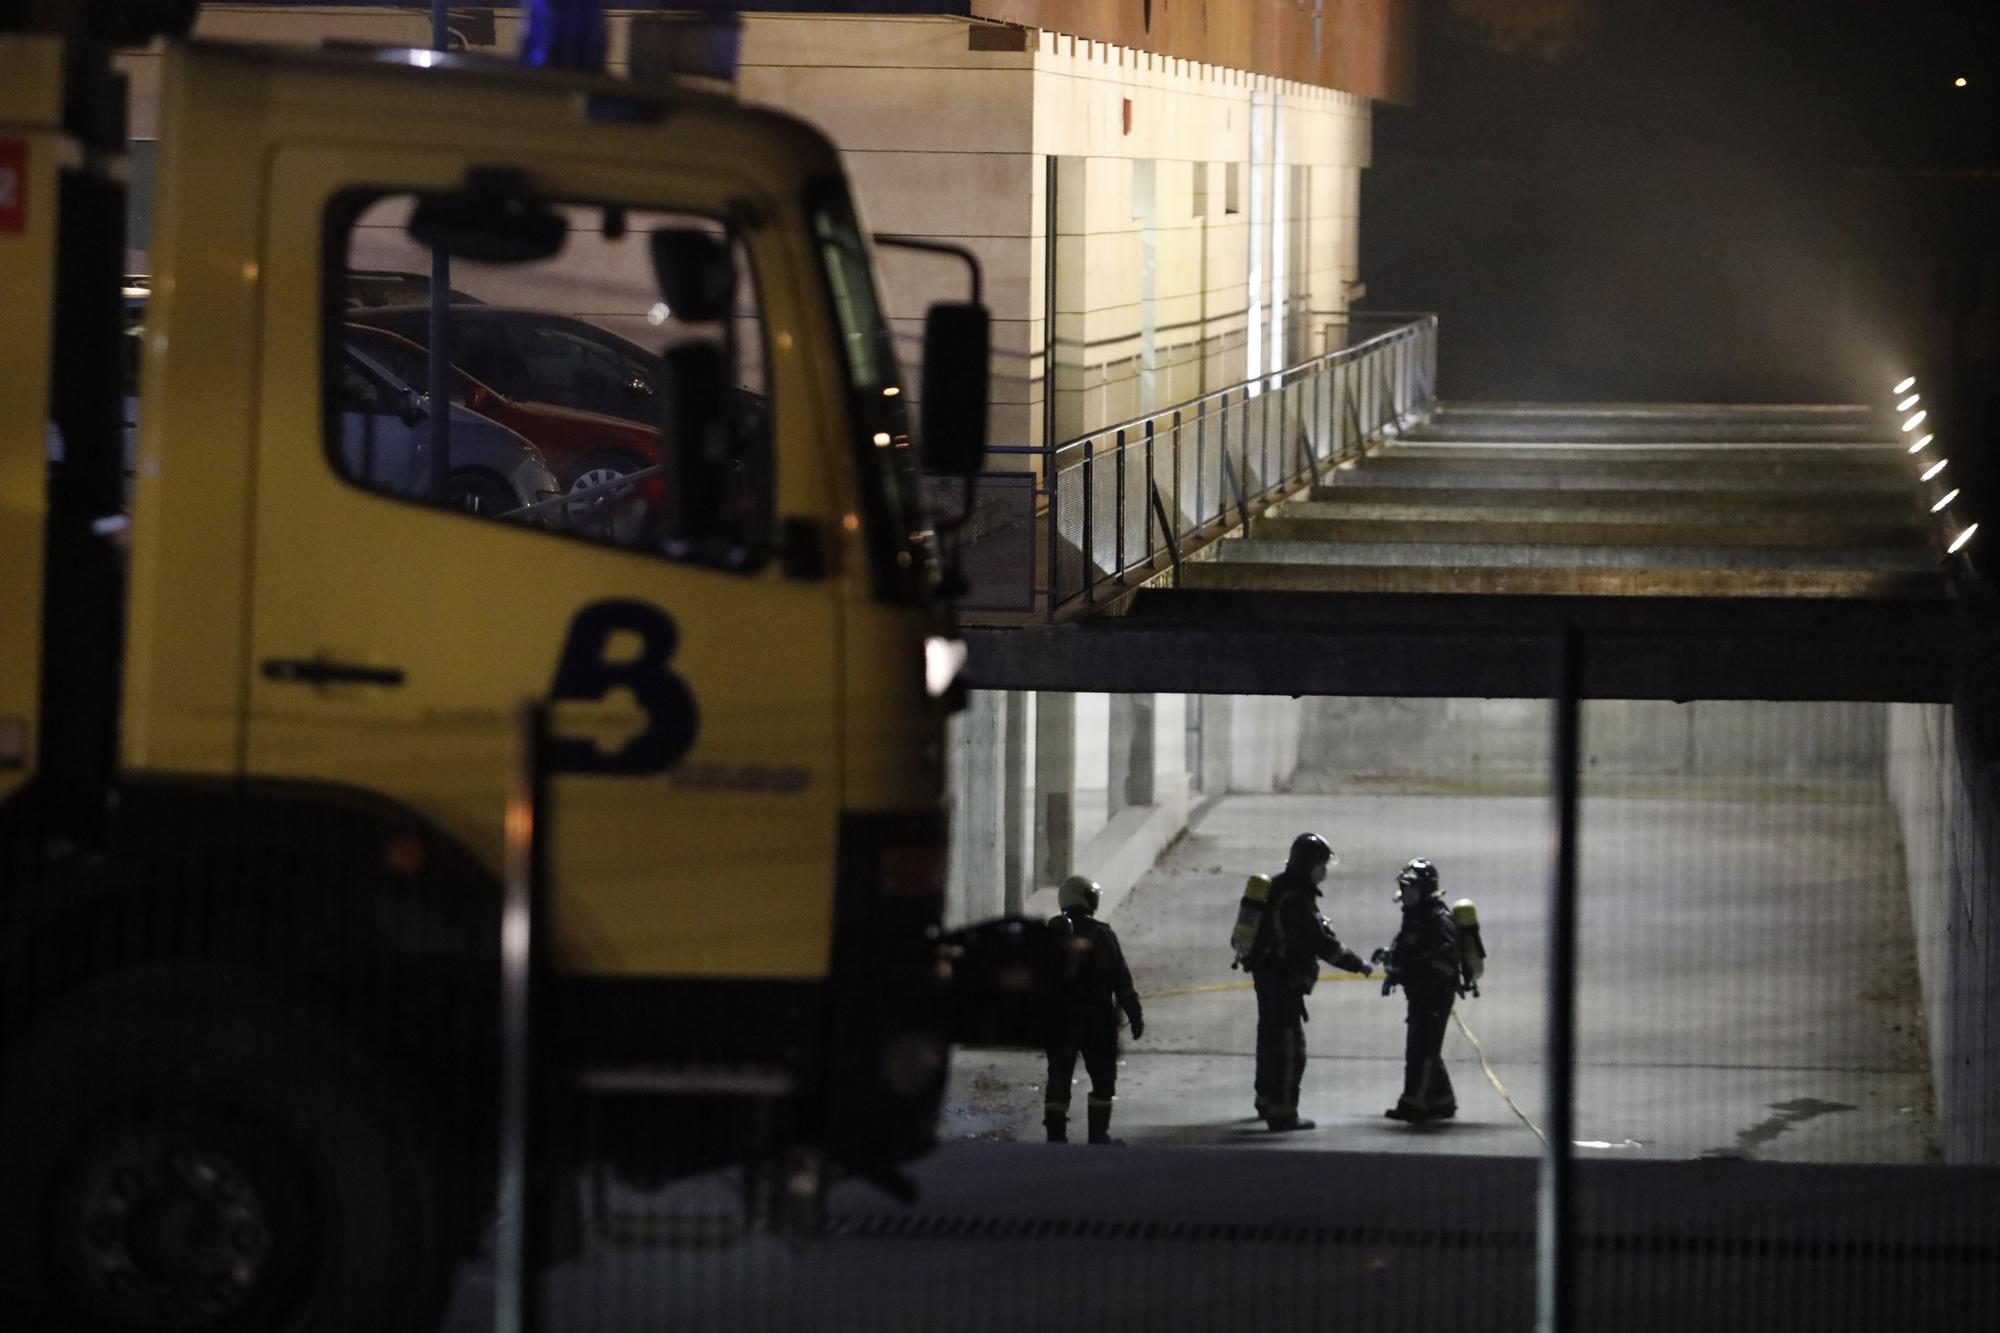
x,y
1118,513
1049,478
1180,496
1173,545
1312,431
1152,490
1264,429
1243,457
1089,589
1555,1214
1200,457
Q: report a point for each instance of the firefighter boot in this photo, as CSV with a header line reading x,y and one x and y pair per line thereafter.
x,y
1100,1125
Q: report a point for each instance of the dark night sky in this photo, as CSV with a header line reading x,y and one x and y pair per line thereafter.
x,y
1850,80
1734,201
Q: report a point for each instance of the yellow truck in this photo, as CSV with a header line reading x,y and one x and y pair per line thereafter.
x,y
262,665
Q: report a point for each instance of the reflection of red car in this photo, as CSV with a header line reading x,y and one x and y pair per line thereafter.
x,y
584,449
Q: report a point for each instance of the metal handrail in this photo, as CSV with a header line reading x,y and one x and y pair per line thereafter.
x,y
1401,332
1221,456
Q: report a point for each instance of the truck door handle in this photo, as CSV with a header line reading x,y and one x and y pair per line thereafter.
x,y
322,671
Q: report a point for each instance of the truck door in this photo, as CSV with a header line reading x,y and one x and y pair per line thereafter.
x,y
396,631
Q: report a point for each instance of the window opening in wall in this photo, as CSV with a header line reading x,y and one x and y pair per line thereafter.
x,y
1232,201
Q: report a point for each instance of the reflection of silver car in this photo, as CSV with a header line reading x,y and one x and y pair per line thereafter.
x,y
384,424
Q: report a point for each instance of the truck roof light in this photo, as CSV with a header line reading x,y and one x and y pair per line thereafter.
x,y
563,34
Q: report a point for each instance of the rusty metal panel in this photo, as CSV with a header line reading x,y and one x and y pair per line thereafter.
x,y
1366,47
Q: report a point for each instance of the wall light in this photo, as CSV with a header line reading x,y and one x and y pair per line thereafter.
x,y
1919,445
1963,538
1935,468
1909,402
1914,422
1949,496
1909,383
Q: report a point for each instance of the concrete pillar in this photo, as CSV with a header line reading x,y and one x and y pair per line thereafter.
x,y
1055,787
1132,752
977,868
1218,743
1017,814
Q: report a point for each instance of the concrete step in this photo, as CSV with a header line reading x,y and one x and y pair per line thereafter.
x,y
1651,408
1594,502
1876,473
1890,585
1694,456
1467,555
1668,422
1531,477
1792,532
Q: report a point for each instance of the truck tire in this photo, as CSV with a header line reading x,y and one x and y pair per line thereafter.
x,y
186,1149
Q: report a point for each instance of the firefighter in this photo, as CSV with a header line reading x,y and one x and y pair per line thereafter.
x,y
1284,966
1098,985
1427,961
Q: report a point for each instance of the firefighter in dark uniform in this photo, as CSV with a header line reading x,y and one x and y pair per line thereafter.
x,y
1426,961
1098,985
1284,967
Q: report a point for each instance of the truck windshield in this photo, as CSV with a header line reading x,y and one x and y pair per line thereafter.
x,y
899,537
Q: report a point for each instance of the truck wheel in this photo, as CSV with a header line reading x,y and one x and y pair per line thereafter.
x,y
187,1150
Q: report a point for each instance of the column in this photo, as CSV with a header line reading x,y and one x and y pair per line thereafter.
x,y
1055,786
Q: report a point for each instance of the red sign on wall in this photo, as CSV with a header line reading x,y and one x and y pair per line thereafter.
x,y
13,185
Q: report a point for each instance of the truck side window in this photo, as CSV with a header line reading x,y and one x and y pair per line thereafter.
x,y
557,379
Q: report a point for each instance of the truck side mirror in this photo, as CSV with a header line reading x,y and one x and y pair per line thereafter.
x,y
957,339
493,219
696,273
700,453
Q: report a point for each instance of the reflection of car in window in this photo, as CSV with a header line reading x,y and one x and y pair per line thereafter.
x,y
383,423
539,357
378,287
584,449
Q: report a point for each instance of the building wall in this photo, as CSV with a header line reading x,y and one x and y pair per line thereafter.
x,y
1470,739
1944,795
949,137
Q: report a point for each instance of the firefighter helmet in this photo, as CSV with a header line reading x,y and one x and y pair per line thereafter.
x,y
1079,891
1308,850
1418,880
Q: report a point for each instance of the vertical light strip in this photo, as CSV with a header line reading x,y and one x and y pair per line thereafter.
x,y
1259,234
1280,236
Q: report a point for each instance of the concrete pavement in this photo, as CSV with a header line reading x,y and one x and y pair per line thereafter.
x,y
1748,982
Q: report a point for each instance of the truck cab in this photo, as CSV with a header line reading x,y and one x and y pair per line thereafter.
x,y
250,978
